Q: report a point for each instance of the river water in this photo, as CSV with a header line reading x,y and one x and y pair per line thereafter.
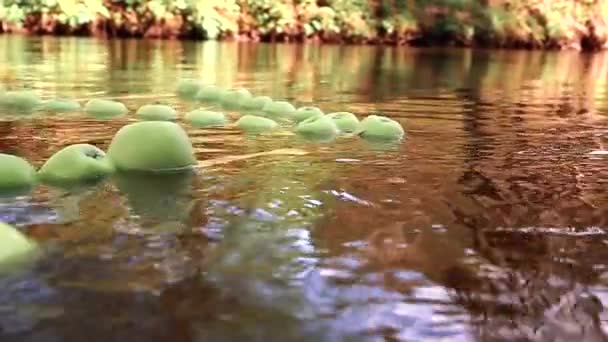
x,y
488,222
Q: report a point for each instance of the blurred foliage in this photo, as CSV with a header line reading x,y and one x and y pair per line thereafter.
x,y
513,23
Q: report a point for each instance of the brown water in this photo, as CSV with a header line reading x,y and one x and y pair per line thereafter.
x,y
488,222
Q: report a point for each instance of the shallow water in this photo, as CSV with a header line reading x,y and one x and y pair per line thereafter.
x,y
487,223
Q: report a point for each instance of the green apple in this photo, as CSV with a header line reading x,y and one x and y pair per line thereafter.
x,y
346,122
255,103
15,173
153,146
21,101
306,112
318,126
188,88
105,108
15,248
61,105
377,127
205,118
279,109
252,123
156,112
210,93
79,163
232,99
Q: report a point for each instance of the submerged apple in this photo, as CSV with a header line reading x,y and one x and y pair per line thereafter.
x,y
15,248
157,196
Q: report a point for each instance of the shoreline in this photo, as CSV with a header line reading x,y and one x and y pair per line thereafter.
x,y
497,24
415,43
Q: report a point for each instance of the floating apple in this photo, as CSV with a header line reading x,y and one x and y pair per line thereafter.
x,y
210,93
15,173
252,123
255,103
188,88
345,121
279,109
78,163
151,146
21,101
318,126
233,98
381,128
205,118
306,112
156,112
105,108
61,105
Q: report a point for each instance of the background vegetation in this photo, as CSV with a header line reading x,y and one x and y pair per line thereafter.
x,y
579,24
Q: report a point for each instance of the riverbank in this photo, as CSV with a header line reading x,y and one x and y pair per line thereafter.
x,y
530,24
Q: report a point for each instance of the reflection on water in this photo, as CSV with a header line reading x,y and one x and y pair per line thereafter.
x,y
487,223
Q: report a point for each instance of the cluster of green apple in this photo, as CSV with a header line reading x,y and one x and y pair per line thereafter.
x,y
14,246
148,147
263,114
27,101
158,145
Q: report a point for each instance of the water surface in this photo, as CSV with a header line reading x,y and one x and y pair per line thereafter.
x,y
488,222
